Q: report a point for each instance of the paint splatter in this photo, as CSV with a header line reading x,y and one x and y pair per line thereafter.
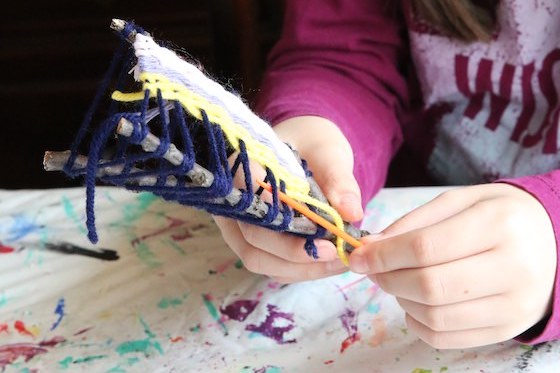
x,y
239,310
221,268
268,329
21,227
165,303
71,214
59,310
144,346
82,331
349,321
173,224
3,299
71,249
265,369
65,363
6,249
207,298
177,339
380,331
11,353
4,328
22,329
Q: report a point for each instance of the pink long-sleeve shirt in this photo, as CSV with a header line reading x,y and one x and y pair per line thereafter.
x,y
472,112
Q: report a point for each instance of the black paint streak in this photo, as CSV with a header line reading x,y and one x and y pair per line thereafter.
x,y
71,249
524,360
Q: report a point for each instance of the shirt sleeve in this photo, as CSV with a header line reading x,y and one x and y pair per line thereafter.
x,y
546,188
341,60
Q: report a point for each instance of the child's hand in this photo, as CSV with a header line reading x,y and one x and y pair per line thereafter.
x,y
281,256
475,266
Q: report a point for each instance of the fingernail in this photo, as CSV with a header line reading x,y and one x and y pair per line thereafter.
x,y
359,264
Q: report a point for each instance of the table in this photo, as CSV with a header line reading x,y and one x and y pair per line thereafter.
x,y
161,292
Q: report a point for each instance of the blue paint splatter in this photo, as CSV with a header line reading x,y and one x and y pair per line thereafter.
x,y
59,310
21,227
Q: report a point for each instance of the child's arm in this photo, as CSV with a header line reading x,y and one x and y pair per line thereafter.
x,y
546,189
339,60
332,80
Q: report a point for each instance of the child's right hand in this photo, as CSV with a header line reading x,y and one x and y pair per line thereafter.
x,y
281,256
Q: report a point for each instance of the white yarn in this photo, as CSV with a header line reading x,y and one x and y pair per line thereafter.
x,y
156,59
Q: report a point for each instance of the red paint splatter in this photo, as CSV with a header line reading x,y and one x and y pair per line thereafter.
x,y
328,362
6,249
53,342
3,328
173,223
27,351
82,331
22,329
182,236
177,339
349,342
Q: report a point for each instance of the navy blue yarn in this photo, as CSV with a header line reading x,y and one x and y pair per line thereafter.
x,y
121,57
153,115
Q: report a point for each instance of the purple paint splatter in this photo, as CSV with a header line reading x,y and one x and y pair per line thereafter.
x,y
349,321
239,310
268,329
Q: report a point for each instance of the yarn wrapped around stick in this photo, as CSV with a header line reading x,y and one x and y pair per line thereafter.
x,y
160,124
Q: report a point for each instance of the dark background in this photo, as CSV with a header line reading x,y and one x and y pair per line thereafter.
x,y
53,55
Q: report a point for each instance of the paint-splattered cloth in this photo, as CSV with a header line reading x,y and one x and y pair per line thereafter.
x,y
162,293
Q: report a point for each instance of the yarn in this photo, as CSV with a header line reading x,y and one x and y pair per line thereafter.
x,y
196,122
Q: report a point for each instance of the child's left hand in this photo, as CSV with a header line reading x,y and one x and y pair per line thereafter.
x,y
475,266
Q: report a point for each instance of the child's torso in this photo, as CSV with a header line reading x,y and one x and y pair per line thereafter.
x,y
502,97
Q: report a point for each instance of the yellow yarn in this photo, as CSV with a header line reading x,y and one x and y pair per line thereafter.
x,y
296,187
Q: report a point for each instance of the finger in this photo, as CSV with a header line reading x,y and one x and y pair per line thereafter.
x,y
333,170
479,313
451,239
286,246
261,262
460,339
467,279
330,158
440,208
292,280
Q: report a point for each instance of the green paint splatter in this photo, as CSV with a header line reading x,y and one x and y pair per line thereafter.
x,y
404,331
443,369
213,311
116,369
3,299
239,264
142,345
146,255
71,214
420,370
165,303
195,329
526,347
175,246
65,363
134,211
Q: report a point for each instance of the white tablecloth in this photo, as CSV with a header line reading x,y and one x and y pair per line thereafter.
x,y
167,295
